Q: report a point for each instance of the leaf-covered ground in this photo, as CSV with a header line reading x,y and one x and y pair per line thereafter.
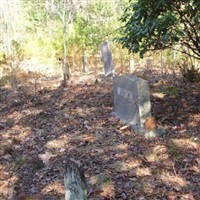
x,y
38,134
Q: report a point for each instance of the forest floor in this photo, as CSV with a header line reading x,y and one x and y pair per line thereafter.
x,y
40,132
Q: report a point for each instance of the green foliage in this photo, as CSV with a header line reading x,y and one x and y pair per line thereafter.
x,y
57,43
18,50
96,23
174,150
4,80
160,24
35,14
193,75
18,53
1,54
2,58
171,91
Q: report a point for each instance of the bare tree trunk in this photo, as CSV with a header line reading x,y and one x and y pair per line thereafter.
x,y
65,66
65,16
163,67
174,61
131,65
190,57
85,62
75,184
121,61
73,60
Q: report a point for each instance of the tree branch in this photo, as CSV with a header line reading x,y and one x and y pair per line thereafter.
x,y
186,53
187,23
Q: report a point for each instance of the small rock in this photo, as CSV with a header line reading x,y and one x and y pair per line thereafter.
x,y
8,157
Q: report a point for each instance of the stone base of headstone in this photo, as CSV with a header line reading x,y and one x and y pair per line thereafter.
x,y
160,131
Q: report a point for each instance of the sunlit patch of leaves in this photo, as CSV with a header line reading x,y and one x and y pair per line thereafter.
x,y
54,187
173,180
157,154
141,172
175,151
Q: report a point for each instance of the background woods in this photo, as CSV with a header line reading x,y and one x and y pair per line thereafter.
x,y
48,44
64,36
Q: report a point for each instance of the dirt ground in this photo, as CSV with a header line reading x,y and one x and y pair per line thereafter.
x,y
39,132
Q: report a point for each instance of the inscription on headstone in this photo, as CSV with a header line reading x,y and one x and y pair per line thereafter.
x,y
125,93
106,58
132,102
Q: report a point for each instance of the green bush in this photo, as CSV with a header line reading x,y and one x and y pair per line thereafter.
x,y
171,91
4,80
192,75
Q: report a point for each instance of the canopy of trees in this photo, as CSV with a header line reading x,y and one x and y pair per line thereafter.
x,y
160,24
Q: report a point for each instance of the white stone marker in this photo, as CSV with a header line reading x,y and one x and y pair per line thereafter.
x,y
106,58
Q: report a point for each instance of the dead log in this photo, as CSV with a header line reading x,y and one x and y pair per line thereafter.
x,y
75,184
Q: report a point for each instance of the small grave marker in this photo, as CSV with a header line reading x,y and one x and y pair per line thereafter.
x,y
106,58
74,180
132,103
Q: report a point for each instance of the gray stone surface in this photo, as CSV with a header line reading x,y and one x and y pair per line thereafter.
x,y
106,58
160,131
131,99
132,103
74,181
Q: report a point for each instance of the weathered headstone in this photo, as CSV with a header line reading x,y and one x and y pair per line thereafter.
x,y
132,103
131,99
106,58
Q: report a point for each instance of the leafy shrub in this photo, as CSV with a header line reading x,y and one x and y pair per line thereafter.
x,y
4,80
192,74
170,91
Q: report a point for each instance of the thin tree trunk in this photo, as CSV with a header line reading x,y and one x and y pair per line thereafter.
x,y
65,65
163,70
73,60
65,58
174,59
190,58
85,62
121,61
131,65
